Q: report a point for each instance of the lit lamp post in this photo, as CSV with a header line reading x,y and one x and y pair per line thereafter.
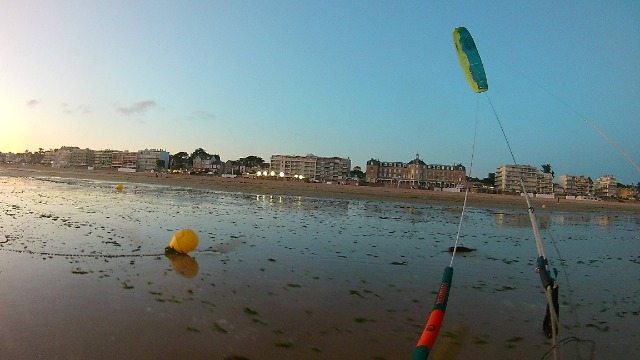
x,y
281,174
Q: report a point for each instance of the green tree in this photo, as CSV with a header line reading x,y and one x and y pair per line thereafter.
x,y
199,151
252,160
490,180
356,174
179,160
547,169
160,164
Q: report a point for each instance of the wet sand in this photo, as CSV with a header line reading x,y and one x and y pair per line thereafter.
x,y
322,190
295,277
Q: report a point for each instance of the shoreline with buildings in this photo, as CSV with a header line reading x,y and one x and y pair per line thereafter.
x,y
415,174
289,187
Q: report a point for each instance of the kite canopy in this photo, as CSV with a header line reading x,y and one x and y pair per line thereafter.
x,y
470,60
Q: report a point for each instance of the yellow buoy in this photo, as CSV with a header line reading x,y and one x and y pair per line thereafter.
x,y
544,206
119,187
184,241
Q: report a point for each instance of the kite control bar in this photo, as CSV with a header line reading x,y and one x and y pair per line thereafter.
x,y
550,323
430,332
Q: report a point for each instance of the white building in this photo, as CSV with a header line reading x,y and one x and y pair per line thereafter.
x,y
61,158
545,183
510,177
575,185
147,160
606,186
312,167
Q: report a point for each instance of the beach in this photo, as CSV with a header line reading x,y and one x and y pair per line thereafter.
x,y
289,270
297,188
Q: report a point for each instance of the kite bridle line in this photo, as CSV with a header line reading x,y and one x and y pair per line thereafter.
x,y
581,116
434,323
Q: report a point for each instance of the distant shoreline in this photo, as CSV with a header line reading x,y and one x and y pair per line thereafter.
x,y
294,188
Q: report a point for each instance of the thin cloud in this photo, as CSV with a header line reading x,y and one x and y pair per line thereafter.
x,y
70,110
33,103
139,107
202,115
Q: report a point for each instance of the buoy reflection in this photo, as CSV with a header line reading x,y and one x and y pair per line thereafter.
x,y
183,264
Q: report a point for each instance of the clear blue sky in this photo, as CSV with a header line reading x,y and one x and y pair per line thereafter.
x,y
357,79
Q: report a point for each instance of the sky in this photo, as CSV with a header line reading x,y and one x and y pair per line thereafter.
x,y
356,79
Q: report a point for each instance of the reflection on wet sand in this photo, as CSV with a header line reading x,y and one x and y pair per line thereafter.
x,y
519,220
587,218
183,264
286,202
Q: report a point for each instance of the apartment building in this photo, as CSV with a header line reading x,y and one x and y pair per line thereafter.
x,y
606,186
312,167
81,157
62,157
510,177
147,160
545,183
47,158
103,159
416,173
575,185
124,159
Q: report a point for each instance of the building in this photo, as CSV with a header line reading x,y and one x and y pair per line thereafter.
x,y
62,157
312,167
152,159
81,157
386,172
332,168
545,184
124,159
103,159
47,159
576,185
416,173
509,178
606,186
207,163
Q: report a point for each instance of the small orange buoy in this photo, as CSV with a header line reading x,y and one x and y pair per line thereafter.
x,y
184,241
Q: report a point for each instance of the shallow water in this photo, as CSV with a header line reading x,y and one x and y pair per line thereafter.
x,y
84,275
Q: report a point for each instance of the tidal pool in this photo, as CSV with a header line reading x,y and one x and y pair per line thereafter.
x,y
84,275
